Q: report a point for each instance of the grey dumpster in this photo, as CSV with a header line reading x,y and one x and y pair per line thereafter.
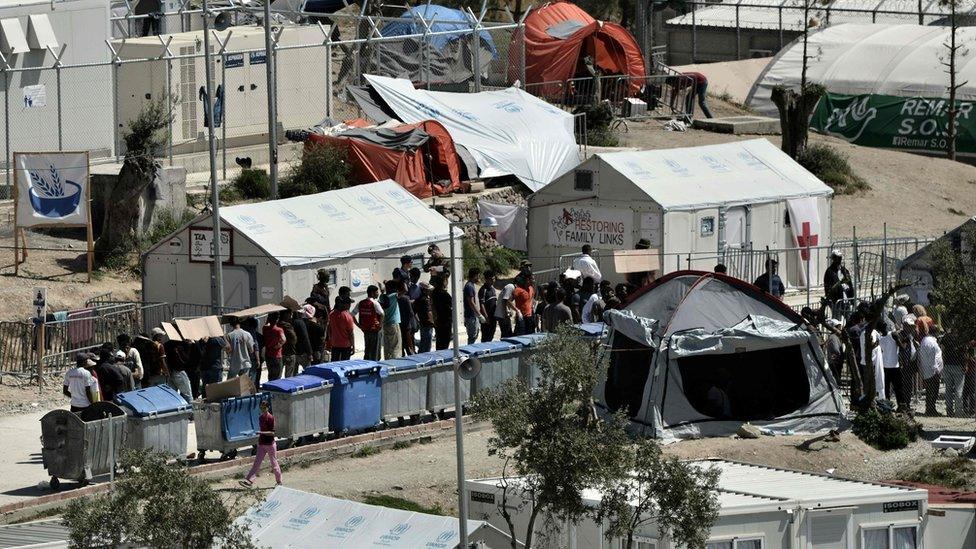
x,y
440,380
72,448
499,362
300,405
227,425
528,372
157,418
405,387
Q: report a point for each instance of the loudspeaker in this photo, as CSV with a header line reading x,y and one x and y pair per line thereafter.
x,y
469,368
222,21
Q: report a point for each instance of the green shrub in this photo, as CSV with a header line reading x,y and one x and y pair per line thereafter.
x,y
498,258
394,502
833,168
230,194
885,430
472,255
323,168
253,184
957,472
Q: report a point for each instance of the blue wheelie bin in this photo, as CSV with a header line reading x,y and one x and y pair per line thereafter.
x,y
528,372
157,418
499,361
356,393
227,425
300,405
405,388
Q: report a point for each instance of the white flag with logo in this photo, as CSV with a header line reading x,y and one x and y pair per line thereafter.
x,y
52,188
805,221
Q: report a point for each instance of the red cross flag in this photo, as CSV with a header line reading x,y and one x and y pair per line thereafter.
x,y
805,221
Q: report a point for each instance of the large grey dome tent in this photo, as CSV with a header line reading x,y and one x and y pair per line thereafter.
x,y
697,354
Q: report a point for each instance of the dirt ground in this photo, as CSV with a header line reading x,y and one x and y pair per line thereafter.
x,y
915,195
425,473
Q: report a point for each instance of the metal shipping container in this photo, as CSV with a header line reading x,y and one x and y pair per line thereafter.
x,y
75,449
300,405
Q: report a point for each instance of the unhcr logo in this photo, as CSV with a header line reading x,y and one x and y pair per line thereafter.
x,y
268,508
399,529
355,521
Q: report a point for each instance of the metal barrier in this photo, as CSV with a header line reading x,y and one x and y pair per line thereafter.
x,y
665,95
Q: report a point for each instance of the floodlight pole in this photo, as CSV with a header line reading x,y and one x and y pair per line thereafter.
x,y
269,67
458,407
217,267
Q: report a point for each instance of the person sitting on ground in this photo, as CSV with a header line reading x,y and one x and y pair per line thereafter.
x,y
79,383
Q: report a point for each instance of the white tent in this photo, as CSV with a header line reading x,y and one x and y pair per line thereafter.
x,y
274,248
508,132
701,353
692,204
292,519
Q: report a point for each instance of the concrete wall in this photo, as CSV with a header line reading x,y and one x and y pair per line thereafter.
x,y
167,192
720,44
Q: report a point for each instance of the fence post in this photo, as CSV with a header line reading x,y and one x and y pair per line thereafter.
x,y
738,34
6,133
780,10
884,256
857,265
57,74
476,51
327,42
694,33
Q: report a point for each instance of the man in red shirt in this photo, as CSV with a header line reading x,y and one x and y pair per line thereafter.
x,y
370,314
340,336
274,340
524,296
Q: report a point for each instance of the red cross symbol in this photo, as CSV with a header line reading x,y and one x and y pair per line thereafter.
x,y
805,239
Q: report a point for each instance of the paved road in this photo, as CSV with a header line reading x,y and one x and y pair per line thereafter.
x,y
20,457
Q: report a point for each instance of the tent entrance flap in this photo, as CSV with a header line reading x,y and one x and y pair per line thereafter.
x,y
756,385
631,363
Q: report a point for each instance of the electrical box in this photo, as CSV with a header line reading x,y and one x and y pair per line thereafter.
x,y
240,72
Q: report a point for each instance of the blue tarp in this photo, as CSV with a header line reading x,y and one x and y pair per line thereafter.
x,y
440,19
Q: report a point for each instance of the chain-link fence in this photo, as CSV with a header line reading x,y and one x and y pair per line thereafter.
x,y
656,96
88,106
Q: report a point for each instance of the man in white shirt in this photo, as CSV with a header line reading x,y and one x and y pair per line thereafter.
x,y
871,357
587,265
79,383
504,308
930,366
889,355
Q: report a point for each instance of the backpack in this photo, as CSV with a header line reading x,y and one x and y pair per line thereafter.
x,y
369,318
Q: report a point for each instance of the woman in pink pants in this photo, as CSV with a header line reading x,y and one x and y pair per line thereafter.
x,y
266,446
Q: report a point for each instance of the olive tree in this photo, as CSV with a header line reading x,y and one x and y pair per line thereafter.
x,y
554,446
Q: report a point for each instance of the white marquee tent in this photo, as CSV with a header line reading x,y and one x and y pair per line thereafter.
x,y
292,519
274,248
690,203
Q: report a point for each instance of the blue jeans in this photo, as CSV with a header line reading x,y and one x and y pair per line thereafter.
x,y
472,326
426,338
181,382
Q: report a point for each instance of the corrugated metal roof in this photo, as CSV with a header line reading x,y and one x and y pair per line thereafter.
x,y
805,488
765,14
43,533
740,172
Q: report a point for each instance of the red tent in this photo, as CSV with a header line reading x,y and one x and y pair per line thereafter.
x,y
421,157
560,34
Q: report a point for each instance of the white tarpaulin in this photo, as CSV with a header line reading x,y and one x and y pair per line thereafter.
x,y
509,132
511,220
52,189
341,223
294,519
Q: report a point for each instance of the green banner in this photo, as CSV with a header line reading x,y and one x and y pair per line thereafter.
x,y
884,121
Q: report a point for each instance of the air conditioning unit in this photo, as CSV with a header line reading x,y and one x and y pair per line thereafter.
x,y
300,74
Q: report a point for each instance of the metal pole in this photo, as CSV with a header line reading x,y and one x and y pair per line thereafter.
x,y
60,124
856,264
169,104
6,134
458,408
272,102
738,35
223,125
884,256
476,51
809,282
328,77
694,33
780,10
217,270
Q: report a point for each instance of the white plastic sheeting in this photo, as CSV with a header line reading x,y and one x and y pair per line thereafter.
x,y
294,519
742,172
509,132
512,221
765,14
335,224
854,59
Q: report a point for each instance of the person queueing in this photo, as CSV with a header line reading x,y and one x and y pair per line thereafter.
x,y
392,346
423,310
487,299
369,317
472,311
339,338
442,305
769,281
79,383
266,446
274,341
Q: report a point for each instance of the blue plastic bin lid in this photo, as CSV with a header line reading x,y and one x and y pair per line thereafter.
x,y
339,373
432,358
527,340
161,399
403,364
294,384
591,329
488,348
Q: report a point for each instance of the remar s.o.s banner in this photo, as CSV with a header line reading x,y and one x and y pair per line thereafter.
x,y
906,123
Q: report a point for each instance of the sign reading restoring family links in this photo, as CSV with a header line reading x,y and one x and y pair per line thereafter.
x,y
605,228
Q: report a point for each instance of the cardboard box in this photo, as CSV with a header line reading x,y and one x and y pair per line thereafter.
x,y
235,386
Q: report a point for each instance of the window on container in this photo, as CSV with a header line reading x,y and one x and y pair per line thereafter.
x,y
890,537
583,181
736,543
